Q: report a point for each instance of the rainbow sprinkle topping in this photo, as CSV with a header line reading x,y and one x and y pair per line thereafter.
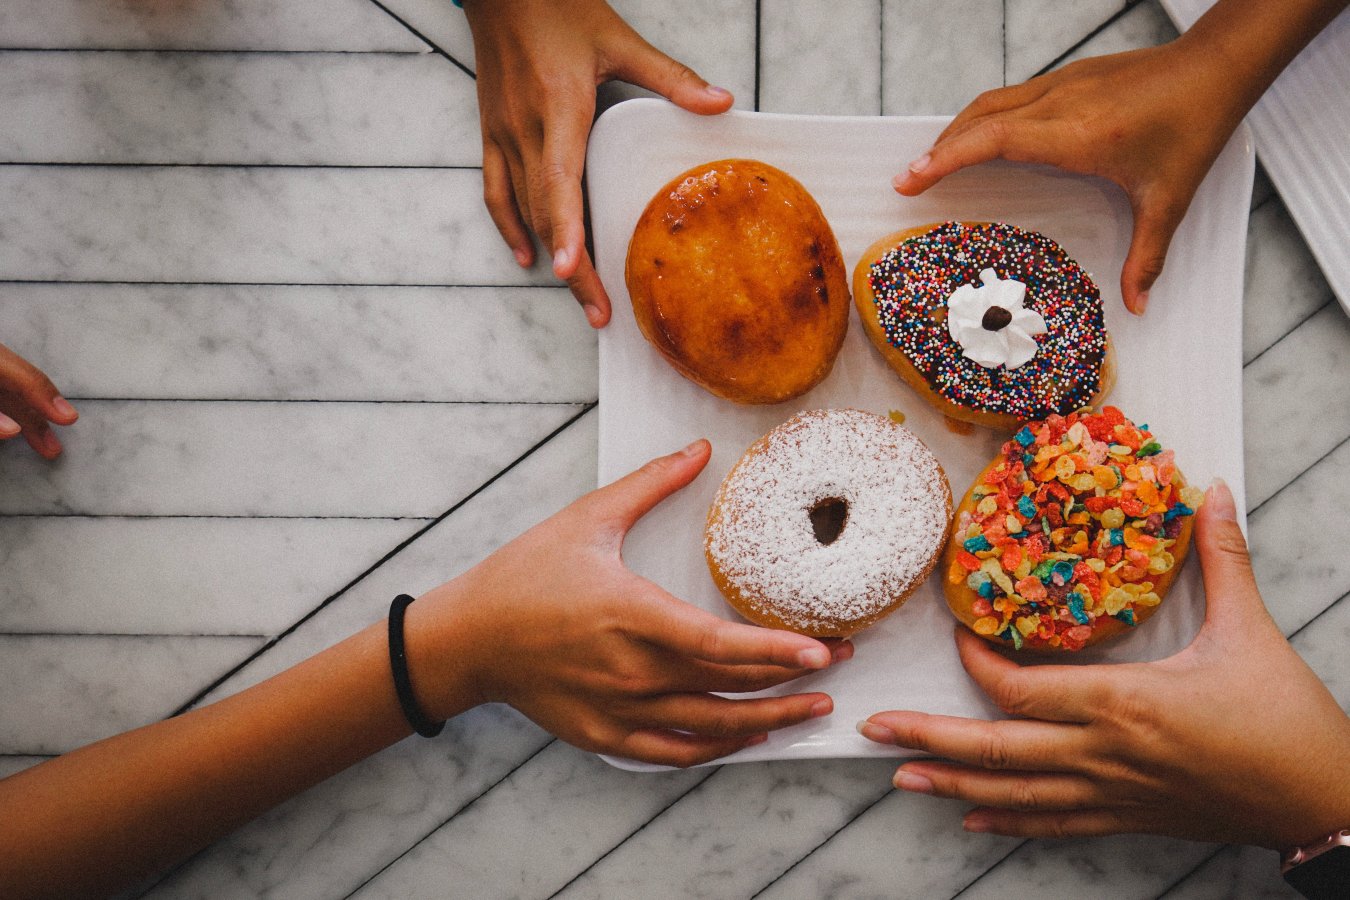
x,y
911,285
1068,527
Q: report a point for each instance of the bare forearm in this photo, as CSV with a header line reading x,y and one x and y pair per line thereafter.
x,y
110,813
1257,39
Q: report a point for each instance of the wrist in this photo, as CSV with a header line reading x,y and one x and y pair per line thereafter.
x,y
441,663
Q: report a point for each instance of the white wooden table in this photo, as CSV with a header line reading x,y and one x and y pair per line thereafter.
x,y
246,239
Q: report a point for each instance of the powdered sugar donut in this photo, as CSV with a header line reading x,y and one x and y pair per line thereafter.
x,y
828,523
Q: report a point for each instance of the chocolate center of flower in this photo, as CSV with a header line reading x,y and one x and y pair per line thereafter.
x,y
827,519
995,317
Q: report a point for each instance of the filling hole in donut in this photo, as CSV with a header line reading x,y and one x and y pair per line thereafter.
x,y
828,517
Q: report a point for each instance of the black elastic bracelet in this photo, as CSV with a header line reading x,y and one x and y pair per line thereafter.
x,y
398,662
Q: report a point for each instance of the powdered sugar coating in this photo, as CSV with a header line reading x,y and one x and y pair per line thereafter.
x,y
760,536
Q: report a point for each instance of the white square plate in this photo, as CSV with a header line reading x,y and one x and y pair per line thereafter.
x,y
1179,369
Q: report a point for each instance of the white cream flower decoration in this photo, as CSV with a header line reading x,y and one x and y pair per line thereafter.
x,y
990,323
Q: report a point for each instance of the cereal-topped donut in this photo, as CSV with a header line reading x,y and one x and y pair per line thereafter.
x,y
991,323
1074,533
828,522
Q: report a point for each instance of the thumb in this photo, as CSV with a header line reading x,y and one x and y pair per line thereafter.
x,y
638,62
621,503
1153,230
1231,594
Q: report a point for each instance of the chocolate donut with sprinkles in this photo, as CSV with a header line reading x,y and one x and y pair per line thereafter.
x,y
991,323
1073,534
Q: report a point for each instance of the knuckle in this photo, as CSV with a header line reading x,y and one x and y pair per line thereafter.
x,y
1012,696
985,99
1023,796
994,753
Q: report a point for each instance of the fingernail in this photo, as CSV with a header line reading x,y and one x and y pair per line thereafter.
x,y
693,448
1141,301
592,314
816,657
561,257
756,740
8,427
842,652
1220,500
921,163
718,92
874,732
975,823
898,181
914,783
822,707
522,258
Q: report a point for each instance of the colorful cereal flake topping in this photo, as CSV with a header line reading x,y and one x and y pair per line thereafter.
x,y
1072,525
911,285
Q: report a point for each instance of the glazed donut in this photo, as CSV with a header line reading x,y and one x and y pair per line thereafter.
x,y
828,522
1073,534
992,324
736,278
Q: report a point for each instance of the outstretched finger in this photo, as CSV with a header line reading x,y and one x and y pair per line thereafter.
x,y
619,504
1012,744
586,287
500,198
996,137
1050,824
1023,791
697,675
1232,599
1053,693
687,631
638,62
713,716
995,102
1154,226
675,748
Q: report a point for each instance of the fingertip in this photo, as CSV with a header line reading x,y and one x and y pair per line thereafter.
x,y
65,414
977,821
876,732
1219,503
817,657
524,256
565,262
8,427
700,447
823,706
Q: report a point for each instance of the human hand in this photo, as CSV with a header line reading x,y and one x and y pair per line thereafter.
x,y
555,625
1151,120
539,63
1232,739
28,402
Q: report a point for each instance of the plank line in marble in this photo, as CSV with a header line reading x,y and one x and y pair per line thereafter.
x,y
291,225
819,57
1293,481
59,694
266,109
1293,328
921,73
712,37
352,25
246,458
390,555
305,344
180,575
436,48
318,839
1077,45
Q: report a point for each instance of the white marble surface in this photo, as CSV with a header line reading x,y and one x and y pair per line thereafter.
x,y
311,377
